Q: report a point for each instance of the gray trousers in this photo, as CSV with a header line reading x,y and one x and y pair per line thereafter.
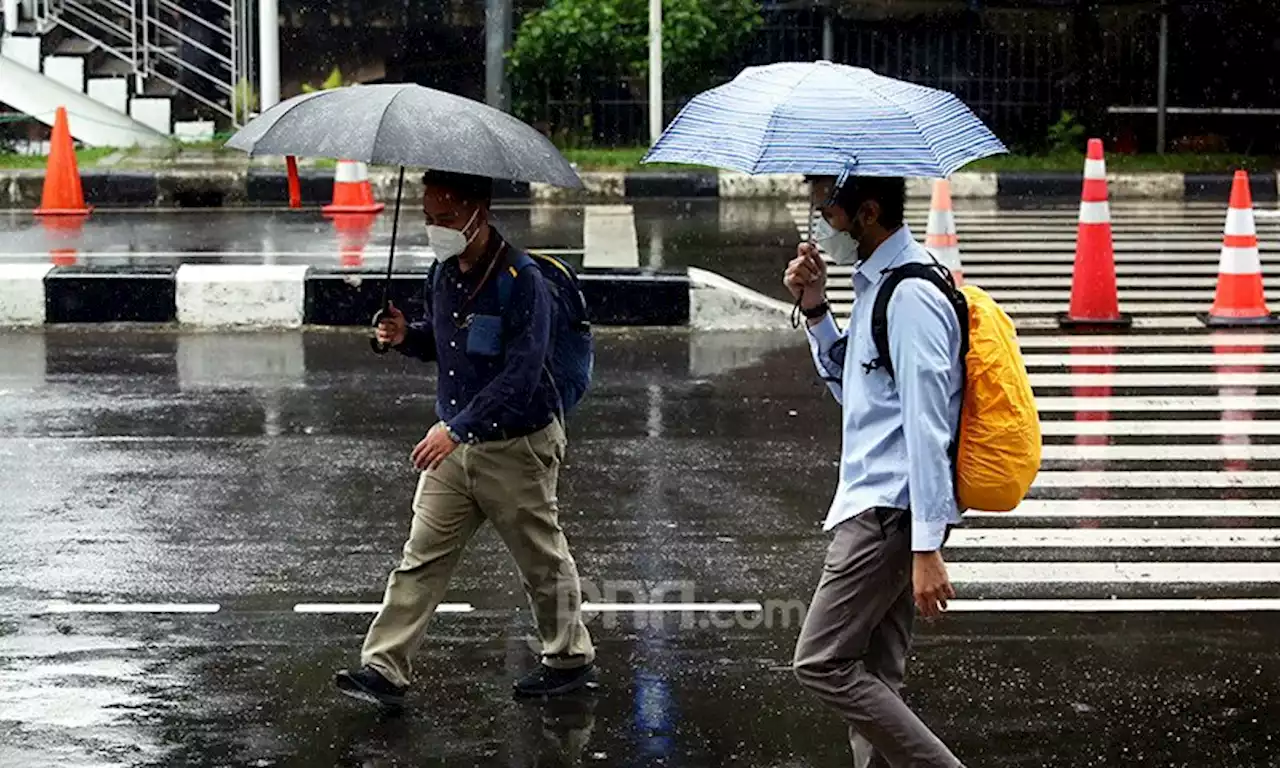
x,y
852,651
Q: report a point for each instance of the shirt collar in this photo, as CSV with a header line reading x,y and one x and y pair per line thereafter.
x,y
872,268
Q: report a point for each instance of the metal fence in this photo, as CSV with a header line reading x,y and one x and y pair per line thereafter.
x,y
1018,70
202,49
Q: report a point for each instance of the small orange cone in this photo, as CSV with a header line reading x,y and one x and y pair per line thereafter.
x,y
1239,299
940,238
1094,297
63,193
352,192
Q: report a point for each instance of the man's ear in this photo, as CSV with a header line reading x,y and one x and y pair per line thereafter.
x,y
869,213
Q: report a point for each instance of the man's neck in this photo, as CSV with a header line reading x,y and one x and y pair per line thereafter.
x,y
473,256
872,240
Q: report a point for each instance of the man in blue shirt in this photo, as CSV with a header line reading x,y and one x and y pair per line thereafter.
x,y
895,501
494,454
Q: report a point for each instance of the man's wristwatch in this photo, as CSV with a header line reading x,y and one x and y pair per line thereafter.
x,y
817,312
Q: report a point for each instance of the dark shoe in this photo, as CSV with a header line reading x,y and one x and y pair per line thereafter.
x,y
368,684
547,681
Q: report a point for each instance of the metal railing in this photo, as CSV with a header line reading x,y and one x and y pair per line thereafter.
x,y
200,48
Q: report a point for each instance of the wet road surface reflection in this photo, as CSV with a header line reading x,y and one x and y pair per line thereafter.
x,y
250,473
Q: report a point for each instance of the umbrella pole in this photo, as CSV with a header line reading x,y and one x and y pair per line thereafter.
x,y
385,304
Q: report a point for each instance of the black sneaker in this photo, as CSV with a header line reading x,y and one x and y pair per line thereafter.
x,y
547,681
368,684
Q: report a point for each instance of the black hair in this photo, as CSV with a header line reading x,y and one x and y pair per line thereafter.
x,y
889,191
472,189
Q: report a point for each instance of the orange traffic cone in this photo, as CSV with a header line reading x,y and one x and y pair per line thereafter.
x,y
352,192
63,193
353,235
1239,299
1094,298
940,238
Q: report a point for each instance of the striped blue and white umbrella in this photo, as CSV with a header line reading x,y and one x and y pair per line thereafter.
x,y
825,119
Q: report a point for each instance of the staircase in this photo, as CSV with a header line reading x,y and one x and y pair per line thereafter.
x,y
129,72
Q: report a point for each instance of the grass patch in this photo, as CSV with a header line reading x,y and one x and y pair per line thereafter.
x,y
85,158
628,159
1170,163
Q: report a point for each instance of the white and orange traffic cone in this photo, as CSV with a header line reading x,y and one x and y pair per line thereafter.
x,y
940,238
352,192
1095,300
353,230
1239,299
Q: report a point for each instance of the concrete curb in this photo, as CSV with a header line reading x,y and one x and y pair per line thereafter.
x,y
230,186
719,304
263,296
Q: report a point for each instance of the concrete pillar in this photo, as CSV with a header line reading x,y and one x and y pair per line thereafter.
x,y
609,236
269,53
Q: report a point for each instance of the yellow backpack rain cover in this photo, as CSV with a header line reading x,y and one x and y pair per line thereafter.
x,y
998,455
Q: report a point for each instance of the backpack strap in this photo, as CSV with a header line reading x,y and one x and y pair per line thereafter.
x,y
507,278
934,273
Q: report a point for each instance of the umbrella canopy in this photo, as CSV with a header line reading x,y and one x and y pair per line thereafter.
x,y
825,119
407,125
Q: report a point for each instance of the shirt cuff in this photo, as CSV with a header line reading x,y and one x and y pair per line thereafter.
x,y
462,431
928,536
825,332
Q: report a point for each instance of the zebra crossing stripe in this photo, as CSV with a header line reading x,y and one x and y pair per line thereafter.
x,y
1113,538
1157,427
1121,605
1211,572
1160,480
1155,453
1053,509
1156,404
1158,380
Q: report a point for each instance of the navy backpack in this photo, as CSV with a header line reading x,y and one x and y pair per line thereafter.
x,y
571,356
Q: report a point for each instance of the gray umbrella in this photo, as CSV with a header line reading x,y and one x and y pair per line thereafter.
x,y
405,124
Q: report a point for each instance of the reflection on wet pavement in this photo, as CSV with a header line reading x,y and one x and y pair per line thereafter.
x,y
251,473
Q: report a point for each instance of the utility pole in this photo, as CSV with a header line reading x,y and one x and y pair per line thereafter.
x,y
268,53
1162,80
655,71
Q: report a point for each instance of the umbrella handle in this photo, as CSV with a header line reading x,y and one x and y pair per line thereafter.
x,y
377,346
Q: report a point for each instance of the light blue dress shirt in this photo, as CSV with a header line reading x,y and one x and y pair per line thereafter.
x,y
896,431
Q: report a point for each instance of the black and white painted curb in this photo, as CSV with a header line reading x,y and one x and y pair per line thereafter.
x,y
265,296
218,187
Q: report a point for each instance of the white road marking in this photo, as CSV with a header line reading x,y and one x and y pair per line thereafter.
x,y
1155,359
1137,508
670,607
1123,479
66,607
1155,380
1151,453
1157,427
1147,605
371,608
1137,343
1114,573
1157,404
1115,538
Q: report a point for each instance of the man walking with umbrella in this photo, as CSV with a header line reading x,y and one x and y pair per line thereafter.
x,y
494,454
895,501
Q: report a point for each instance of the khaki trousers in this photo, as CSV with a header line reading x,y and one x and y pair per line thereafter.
x,y
852,650
512,484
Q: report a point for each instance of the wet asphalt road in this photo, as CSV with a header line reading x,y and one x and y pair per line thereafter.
x,y
257,472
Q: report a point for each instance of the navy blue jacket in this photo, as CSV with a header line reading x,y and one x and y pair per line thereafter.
x,y
492,383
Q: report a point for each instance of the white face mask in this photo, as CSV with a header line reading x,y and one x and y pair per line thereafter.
x,y
840,246
447,242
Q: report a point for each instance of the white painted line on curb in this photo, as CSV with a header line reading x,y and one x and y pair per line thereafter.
x,y
670,607
1150,605
61,607
372,608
